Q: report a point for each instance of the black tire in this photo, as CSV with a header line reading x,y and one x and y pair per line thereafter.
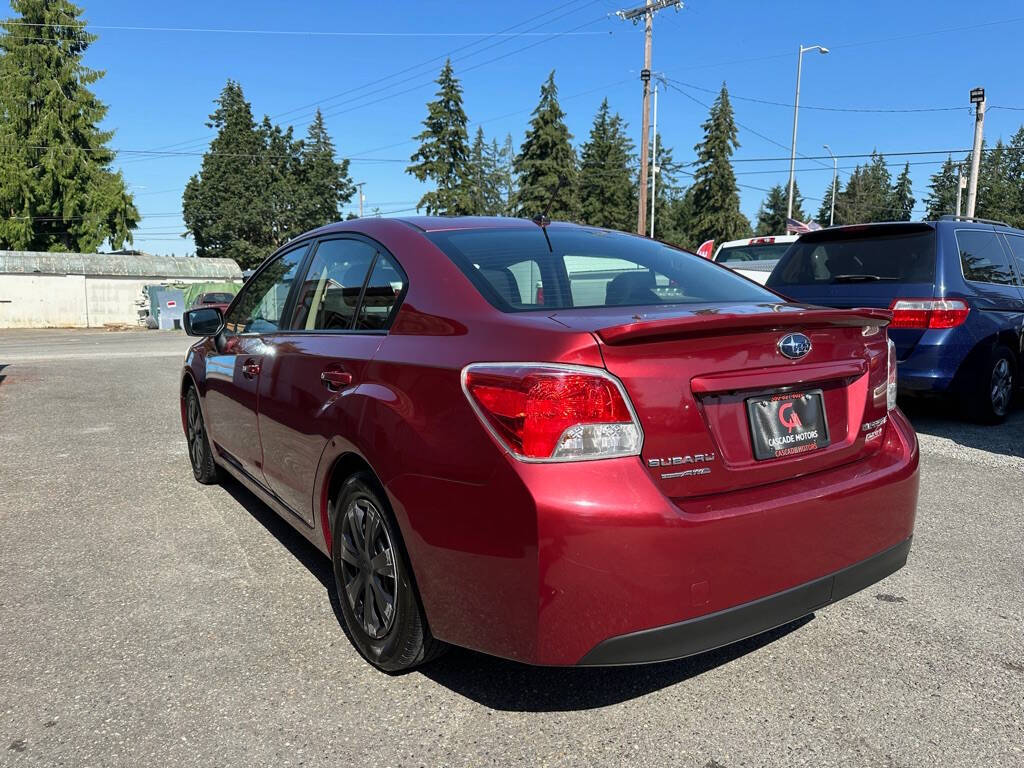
x,y
204,468
995,387
378,599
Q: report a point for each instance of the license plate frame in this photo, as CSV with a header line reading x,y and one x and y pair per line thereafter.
x,y
777,431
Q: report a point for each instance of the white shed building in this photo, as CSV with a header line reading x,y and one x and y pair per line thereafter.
x,y
90,290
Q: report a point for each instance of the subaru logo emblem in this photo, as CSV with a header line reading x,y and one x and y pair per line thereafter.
x,y
794,345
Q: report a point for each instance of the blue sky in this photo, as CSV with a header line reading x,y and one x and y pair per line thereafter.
x,y
160,85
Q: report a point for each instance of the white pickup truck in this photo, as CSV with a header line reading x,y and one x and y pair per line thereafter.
x,y
755,257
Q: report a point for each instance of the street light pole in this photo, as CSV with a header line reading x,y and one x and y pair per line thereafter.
x,y
654,159
796,112
835,174
978,100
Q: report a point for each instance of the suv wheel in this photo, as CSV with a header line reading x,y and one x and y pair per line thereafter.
x,y
996,385
378,599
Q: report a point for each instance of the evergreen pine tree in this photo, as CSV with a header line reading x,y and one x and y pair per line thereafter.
x,y
605,178
867,195
324,184
666,195
506,171
443,156
57,189
771,217
825,209
279,185
224,206
901,202
547,162
485,194
941,199
998,192
716,199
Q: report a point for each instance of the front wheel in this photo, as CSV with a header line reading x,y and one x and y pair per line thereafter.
x,y
993,394
378,599
200,456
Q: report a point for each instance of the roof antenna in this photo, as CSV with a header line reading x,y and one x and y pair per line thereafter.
x,y
542,220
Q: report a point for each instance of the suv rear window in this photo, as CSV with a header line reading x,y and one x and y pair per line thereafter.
x,y
516,270
734,254
861,255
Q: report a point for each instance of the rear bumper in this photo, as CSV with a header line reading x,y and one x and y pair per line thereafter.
x,y
705,633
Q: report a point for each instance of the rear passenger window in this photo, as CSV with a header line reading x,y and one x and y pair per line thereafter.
x,y
330,293
982,257
519,284
1017,247
382,291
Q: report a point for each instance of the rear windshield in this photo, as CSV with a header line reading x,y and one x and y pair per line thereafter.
x,y
515,270
733,254
859,257
217,298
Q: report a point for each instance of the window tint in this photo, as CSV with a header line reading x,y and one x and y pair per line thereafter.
x,y
261,304
330,293
1017,247
217,298
852,256
382,291
741,253
982,257
515,269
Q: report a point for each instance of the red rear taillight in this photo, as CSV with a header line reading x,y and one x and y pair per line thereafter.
x,y
928,313
548,412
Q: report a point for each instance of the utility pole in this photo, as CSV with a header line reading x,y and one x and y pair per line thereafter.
x,y
646,11
961,185
359,187
978,99
796,112
654,159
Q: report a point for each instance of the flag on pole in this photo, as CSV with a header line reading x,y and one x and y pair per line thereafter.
x,y
800,228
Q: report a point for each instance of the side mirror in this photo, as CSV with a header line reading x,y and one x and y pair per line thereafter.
x,y
204,321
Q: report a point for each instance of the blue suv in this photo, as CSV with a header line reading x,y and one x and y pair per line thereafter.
x,y
955,289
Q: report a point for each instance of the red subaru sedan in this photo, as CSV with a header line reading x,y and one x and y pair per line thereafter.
x,y
553,443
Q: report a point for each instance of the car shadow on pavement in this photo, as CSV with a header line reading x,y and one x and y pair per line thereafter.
x,y
508,685
940,418
2,374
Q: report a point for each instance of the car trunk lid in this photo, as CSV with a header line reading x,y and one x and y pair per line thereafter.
x,y
690,375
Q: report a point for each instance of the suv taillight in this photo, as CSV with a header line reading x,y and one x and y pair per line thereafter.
x,y
928,313
550,412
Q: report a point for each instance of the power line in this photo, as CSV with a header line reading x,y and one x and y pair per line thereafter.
x,y
822,109
279,32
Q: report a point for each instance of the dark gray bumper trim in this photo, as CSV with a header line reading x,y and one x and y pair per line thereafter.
x,y
704,633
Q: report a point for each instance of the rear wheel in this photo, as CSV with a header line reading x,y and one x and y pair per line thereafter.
x,y
997,382
201,457
378,599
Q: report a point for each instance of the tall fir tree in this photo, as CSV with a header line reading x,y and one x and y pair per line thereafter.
x,y
279,164
546,163
867,195
507,174
666,195
606,174
443,156
771,217
58,191
941,199
224,205
485,194
901,201
825,217
998,192
716,199
324,184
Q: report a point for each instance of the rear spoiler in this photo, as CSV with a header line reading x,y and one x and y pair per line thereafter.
x,y
688,325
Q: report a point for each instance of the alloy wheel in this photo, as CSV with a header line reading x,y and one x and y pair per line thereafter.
x,y
1002,386
368,567
194,419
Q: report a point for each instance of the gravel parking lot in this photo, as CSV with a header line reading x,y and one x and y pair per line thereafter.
x,y
147,620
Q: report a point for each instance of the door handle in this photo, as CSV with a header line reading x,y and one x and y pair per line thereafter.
x,y
334,379
251,368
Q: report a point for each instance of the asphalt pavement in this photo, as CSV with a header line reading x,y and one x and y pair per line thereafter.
x,y
146,620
